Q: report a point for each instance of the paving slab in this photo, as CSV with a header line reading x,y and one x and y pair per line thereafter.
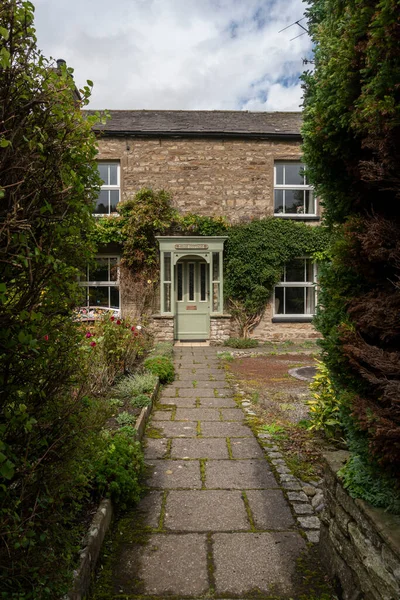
x,y
239,475
172,474
161,415
169,392
214,402
182,402
170,429
197,414
155,448
199,377
201,385
269,509
206,510
246,448
148,511
232,414
250,562
167,564
226,429
215,448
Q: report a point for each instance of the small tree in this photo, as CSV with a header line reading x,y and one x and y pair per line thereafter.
x,y
48,185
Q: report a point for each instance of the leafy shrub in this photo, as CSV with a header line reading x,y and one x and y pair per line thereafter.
x,y
132,385
119,466
241,343
164,349
365,479
125,418
326,404
140,401
161,366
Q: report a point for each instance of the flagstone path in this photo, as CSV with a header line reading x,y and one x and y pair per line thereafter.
x,y
215,522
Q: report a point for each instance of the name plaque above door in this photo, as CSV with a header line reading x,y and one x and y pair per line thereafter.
x,y
191,246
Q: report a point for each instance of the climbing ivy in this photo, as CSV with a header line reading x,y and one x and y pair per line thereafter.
x,y
256,251
255,256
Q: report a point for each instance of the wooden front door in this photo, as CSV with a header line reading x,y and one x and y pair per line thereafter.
x,y
192,320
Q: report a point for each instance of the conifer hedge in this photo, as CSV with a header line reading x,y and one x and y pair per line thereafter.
x,y
352,150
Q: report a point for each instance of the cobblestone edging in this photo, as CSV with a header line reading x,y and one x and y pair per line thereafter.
x,y
306,499
101,523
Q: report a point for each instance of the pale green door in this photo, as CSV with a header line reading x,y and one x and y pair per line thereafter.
x,y
192,317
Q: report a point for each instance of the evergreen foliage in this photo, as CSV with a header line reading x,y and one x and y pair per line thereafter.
x,y
49,182
352,151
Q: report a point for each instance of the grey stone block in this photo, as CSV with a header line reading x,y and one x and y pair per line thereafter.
x,y
239,475
172,474
270,509
206,510
212,448
245,562
166,565
197,414
232,429
309,522
246,448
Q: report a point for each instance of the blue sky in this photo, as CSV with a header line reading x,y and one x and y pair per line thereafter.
x,y
179,54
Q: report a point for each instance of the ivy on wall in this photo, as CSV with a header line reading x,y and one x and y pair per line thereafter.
x,y
255,251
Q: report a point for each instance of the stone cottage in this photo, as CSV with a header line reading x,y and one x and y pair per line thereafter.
x,y
236,164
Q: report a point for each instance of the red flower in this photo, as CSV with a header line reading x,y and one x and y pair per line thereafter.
x,y
88,334
46,338
92,343
136,333
118,322
112,319
133,328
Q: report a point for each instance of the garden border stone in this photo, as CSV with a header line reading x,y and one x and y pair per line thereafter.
x,y
101,523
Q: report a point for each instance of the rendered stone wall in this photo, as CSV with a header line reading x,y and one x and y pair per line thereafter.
x,y
234,178
359,545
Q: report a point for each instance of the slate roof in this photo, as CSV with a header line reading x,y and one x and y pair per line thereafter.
x,y
202,123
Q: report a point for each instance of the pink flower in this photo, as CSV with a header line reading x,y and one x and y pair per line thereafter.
x,y
118,322
46,338
88,334
92,344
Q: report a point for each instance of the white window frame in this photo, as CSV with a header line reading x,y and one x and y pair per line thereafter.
x,y
107,187
87,284
297,284
298,187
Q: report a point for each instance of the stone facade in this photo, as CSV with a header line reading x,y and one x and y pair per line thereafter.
x,y
220,329
229,175
359,545
231,178
162,327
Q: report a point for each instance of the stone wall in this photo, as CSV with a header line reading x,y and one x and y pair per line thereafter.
x,y
220,329
231,178
359,545
234,178
162,327
268,331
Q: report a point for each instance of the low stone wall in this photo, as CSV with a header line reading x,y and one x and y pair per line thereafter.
x,y
359,544
162,327
220,329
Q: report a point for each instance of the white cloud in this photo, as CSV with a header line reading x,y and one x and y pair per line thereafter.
x,y
179,54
